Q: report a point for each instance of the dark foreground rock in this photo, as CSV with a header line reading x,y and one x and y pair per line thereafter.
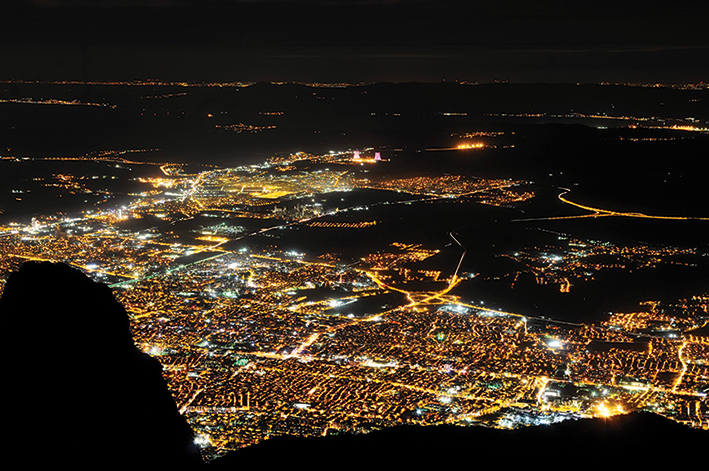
x,y
76,390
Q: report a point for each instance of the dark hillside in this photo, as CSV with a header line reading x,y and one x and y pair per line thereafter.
x,y
79,392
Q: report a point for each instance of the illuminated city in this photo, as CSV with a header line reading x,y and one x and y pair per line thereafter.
x,y
261,340
329,220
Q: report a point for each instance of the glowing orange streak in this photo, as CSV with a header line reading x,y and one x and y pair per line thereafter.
x,y
607,212
684,367
543,381
304,345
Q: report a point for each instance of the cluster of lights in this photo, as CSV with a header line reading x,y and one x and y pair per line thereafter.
x,y
476,145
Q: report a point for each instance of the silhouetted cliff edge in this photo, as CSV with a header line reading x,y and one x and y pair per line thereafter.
x,y
76,389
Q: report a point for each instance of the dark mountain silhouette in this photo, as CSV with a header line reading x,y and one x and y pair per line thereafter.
x,y
77,390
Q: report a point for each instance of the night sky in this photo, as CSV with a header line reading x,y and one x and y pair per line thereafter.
x,y
355,41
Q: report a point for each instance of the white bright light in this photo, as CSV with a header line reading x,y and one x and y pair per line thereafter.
x,y
202,440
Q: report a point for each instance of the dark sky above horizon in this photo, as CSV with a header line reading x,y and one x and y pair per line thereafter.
x,y
331,41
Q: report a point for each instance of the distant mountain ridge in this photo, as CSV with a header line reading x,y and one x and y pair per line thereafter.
x,y
185,122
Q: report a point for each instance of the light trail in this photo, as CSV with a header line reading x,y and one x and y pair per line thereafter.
x,y
427,297
298,351
460,262
684,368
103,158
556,218
187,403
606,212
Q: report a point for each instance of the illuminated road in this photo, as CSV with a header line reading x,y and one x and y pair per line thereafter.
x,y
684,368
599,212
606,212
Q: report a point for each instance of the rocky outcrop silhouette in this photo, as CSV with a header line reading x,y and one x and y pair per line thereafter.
x,y
77,391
